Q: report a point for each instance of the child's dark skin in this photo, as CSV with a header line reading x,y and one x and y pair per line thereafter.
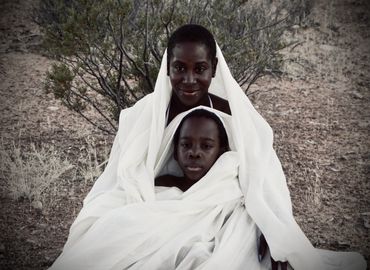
x,y
197,150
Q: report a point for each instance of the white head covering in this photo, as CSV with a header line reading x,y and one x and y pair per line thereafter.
x,y
136,155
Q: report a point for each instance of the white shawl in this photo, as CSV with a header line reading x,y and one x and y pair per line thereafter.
x,y
127,186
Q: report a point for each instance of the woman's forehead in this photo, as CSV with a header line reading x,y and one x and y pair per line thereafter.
x,y
190,51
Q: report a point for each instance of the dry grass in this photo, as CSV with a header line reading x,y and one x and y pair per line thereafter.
x,y
33,174
90,166
39,173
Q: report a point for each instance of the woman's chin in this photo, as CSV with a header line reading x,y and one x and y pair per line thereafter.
x,y
191,98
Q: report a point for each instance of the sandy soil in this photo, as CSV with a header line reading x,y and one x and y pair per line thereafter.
x,y
319,110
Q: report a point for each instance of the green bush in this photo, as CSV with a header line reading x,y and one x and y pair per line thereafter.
x,y
109,51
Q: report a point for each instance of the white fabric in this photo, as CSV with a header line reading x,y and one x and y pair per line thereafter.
x,y
123,224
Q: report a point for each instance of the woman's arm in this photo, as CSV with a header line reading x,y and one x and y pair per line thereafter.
x,y
262,249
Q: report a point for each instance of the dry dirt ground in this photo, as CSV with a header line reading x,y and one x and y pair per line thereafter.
x,y
319,110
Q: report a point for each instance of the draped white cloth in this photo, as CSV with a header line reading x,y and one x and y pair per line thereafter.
x,y
127,223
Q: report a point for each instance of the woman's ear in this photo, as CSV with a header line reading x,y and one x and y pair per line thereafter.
x,y
214,66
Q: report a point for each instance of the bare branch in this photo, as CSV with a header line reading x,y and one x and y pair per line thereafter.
x,y
118,87
119,49
145,51
93,104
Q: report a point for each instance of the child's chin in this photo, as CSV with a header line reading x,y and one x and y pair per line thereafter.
x,y
195,179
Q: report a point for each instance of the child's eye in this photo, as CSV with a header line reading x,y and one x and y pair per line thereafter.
x,y
184,145
207,146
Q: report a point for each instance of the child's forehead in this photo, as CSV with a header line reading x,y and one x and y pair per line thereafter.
x,y
196,123
194,118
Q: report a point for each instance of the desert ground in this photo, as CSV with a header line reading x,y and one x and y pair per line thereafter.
x,y
319,111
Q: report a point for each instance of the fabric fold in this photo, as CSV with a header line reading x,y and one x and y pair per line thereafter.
x,y
123,225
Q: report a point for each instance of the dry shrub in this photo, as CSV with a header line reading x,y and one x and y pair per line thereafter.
x,y
33,174
109,52
91,165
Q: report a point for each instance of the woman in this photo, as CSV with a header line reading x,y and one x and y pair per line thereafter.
x,y
195,73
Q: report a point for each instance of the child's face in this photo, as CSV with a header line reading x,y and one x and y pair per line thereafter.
x,y
191,70
198,147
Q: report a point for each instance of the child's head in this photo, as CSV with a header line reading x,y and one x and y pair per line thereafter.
x,y
191,63
198,142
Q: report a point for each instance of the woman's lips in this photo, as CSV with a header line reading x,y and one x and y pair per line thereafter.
x,y
189,93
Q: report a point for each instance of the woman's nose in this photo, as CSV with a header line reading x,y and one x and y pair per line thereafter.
x,y
189,77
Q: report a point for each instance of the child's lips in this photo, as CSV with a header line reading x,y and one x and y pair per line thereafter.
x,y
193,168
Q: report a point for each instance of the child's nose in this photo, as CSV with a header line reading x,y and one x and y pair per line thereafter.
x,y
194,152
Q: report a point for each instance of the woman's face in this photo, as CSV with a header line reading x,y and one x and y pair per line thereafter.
x,y
198,147
191,71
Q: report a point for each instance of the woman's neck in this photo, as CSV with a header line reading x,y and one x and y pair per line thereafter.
x,y
176,107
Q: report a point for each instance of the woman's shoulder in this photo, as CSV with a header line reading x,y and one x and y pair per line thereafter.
x,y
137,108
220,104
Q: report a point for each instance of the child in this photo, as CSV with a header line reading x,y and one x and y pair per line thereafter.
x,y
199,141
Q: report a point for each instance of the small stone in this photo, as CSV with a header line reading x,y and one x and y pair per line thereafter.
x,y
366,223
322,241
31,241
331,219
53,108
343,243
37,205
2,248
347,217
356,94
334,169
43,225
363,124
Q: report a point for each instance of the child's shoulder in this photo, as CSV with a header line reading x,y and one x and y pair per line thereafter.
x,y
220,104
167,180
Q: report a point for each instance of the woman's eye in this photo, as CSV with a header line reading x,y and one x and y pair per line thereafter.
x,y
179,68
200,69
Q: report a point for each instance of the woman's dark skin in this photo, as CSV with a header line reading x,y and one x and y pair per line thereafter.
x,y
176,107
191,71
